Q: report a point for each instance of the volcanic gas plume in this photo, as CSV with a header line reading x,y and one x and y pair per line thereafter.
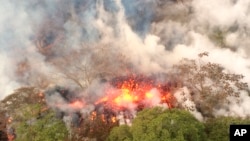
x,y
127,94
115,55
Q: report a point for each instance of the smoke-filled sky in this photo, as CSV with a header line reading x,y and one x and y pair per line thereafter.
x,y
42,39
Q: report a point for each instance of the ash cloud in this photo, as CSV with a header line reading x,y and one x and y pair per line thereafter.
x,y
75,43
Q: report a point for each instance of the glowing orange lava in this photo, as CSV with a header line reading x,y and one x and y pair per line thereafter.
x,y
149,95
125,97
76,104
113,119
93,115
134,93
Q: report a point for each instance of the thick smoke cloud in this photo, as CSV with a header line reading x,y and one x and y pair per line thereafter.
x,y
75,43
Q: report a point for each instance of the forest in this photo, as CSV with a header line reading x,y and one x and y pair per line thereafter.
x,y
123,70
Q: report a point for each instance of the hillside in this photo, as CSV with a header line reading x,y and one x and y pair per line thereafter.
x,y
107,70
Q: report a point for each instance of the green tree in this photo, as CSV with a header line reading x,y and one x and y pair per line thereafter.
x,y
161,125
32,124
217,129
121,133
208,82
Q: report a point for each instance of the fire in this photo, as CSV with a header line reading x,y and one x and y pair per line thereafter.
x,y
149,95
10,119
102,100
103,118
113,119
10,137
76,104
125,97
134,92
168,98
121,99
93,115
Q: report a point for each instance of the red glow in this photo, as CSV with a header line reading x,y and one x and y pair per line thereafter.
x,y
10,119
125,97
41,95
133,92
77,104
10,137
127,93
149,95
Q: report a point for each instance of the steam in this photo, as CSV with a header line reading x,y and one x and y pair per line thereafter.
x,y
6,83
183,97
44,43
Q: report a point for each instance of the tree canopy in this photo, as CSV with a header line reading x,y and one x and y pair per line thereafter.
x,y
161,125
209,83
217,129
32,124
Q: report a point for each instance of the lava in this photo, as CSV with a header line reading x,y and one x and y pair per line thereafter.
x,y
120,99
134,92
76,104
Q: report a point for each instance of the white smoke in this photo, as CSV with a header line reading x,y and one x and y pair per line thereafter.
x,y
6,83
183,97
171,31
237,108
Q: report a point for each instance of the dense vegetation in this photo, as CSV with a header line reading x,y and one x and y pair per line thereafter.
x,y
161,124
150,124
29,118
34,124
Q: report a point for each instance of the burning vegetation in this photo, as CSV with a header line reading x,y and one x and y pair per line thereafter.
x,y
122,96
87,66
94,112
137,91
116,102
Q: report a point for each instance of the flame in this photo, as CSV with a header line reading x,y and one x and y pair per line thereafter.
x,y
76,104
149,95
129,95
10,119
133,92
113,119
169,99
103,118
93,115
125,97
102,100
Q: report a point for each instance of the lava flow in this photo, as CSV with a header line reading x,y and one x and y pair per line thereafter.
x,y
136,92
120,99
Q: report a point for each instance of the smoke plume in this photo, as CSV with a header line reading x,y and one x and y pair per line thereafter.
x,y
82,44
